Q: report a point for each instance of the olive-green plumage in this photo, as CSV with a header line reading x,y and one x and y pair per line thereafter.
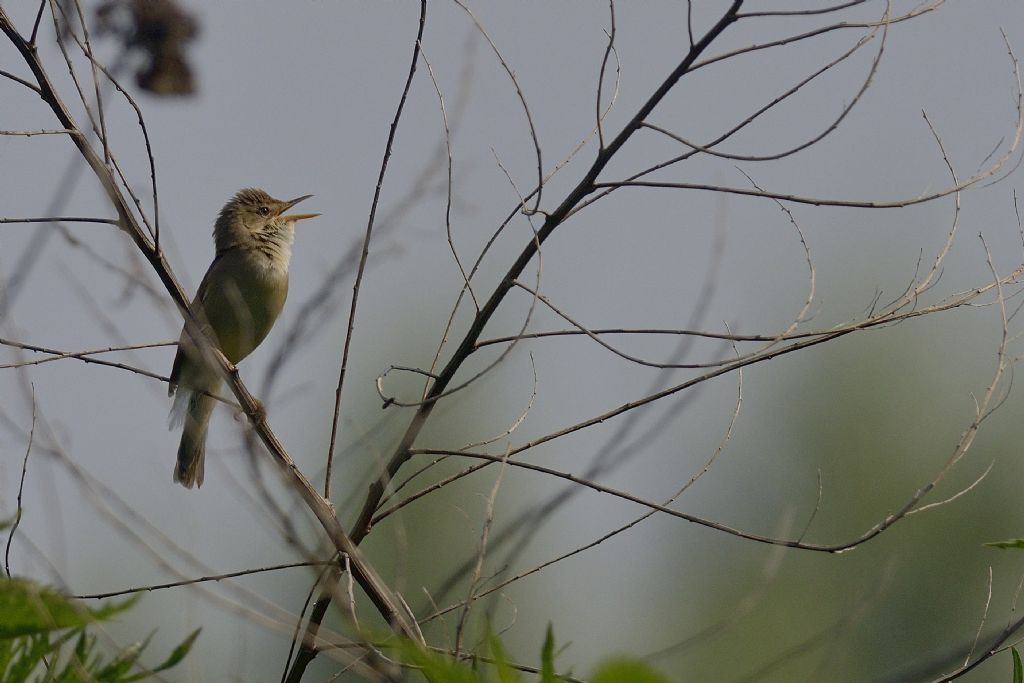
x,y
238,301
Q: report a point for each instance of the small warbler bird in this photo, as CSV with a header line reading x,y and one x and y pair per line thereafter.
x,y
238,301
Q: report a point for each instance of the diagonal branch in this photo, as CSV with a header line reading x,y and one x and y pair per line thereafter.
x,y
381,596
585,186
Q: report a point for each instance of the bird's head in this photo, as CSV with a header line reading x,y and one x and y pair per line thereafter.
x,y
252,215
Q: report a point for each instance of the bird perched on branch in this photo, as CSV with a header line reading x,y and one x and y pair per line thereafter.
x,y
238,301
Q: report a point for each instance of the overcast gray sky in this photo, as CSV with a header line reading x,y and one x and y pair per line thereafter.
x,y
297,98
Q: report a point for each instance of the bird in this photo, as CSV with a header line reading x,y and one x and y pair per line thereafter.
x,y
237,303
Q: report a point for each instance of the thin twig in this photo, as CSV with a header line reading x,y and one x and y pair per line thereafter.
x,y
480,554
201,579
984,616
350,329
63,219
449,179
600,76
21,488
41,131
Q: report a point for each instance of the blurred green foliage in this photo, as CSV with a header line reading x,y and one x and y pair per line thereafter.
x,y
44,637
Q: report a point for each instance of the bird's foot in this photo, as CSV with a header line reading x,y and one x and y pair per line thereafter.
x,y
260,414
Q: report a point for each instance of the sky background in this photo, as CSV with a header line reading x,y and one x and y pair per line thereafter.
x,y
298,100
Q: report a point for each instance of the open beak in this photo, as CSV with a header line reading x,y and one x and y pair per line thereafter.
x,y
296,216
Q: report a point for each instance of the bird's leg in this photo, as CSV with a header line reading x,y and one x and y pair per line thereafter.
x,y
261,413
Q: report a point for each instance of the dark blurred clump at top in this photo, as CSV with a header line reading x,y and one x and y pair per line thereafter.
x,y
159,31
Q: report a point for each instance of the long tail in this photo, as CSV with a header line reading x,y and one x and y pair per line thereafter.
x,y
189,470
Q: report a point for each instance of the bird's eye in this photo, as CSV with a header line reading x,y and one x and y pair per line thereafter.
x,y
264,211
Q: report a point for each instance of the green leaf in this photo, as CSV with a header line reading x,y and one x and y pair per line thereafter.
x,y
27,608
547,657
1017,543
436,667
77,665
506,674
625,670
6,654
30,612
123,662
177,654
83,646
26,654
1018,669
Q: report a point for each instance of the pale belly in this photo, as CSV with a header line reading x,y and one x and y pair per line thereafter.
x,y
241,304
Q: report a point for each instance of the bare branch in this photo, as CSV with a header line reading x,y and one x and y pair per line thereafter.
x,y
19,81
41,131
984,615
481,553
21,488
63,219
368,578
522,100
609,48
201,579
366,249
